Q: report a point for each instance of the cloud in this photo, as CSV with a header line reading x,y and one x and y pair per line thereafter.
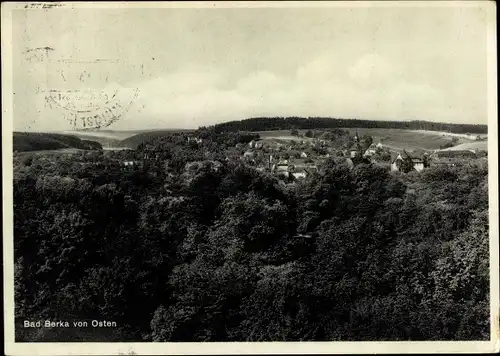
x,y
260,83
369,86
373,71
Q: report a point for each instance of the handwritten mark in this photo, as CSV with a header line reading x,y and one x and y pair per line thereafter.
x,y
38,54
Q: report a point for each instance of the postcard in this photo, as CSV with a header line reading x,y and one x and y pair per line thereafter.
x,y
304,177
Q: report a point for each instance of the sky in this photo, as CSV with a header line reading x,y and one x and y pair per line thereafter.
x,y
186,67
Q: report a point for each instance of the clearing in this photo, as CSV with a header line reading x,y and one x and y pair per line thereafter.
x,y
395,139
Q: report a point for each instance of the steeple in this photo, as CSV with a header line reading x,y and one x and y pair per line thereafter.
x,y
356,138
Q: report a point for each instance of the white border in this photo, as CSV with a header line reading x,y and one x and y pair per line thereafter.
x,y
12,348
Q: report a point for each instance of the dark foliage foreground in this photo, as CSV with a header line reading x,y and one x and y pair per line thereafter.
x,y
205,252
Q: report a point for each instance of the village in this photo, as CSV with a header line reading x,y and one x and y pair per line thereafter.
x,y
296,160
292,160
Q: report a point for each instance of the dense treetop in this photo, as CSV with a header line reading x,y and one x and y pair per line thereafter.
x,y
288,123
194,247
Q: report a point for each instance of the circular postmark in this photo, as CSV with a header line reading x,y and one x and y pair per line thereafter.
x,y
85,92
87,109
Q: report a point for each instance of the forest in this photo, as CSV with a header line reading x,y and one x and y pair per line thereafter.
x,y
288,123
35,141
195,247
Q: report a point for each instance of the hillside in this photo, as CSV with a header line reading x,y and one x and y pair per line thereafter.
x,y
107,138
37,141
135,140
480,145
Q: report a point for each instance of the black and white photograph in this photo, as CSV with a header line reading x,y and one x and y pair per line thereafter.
x,y
250,177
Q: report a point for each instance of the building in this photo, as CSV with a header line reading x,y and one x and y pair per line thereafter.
x,y
454,154
282,169
299,174
194,139
355,150
356,137
255,144
371,150
417,161
131,165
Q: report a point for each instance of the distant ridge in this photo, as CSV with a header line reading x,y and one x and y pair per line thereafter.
x,y
288,123
38,141
135,140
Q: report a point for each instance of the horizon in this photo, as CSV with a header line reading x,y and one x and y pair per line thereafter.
x,y
203,66
104,130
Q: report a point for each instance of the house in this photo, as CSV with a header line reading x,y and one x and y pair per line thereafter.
x,y
443,163
356,137
355,150
454,154
303,155
371,150
194,139
418,161
299,174
281,169
255,144
130,164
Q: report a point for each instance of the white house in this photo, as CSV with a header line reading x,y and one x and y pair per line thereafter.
x,y
370,151
281,169
129,163
194,139
417,161
299,175
255,144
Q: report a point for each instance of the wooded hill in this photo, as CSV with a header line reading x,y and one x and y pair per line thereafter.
x,y
134,141
36,141
288,123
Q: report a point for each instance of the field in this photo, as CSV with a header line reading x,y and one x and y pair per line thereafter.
x,y
479,145
395,139
408,139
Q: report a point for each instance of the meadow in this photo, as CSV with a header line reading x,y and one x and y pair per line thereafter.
x,y
396,139
408,139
